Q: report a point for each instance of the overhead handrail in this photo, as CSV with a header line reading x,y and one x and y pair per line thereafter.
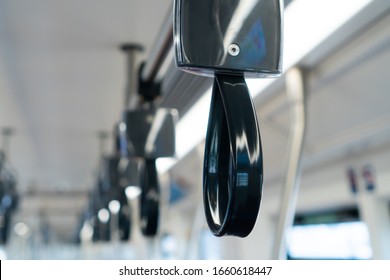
x,y
159,53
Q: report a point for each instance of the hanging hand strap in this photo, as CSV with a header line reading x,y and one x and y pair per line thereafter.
x,y
233,165
150,199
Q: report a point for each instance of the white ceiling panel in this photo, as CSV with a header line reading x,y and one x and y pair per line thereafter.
x,y
63,79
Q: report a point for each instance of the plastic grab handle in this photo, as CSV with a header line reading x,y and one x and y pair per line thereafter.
x,y
233,164
150,199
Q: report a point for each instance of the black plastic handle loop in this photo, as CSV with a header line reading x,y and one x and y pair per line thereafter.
x,y
233,163
150,199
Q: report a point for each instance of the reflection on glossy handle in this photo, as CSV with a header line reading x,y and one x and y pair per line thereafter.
x,y
233,166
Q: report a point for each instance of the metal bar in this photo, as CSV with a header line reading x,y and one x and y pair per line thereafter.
x,y
131,87
296,92
161,48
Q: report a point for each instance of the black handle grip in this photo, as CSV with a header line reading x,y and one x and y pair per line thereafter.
x,y
233,163
150,199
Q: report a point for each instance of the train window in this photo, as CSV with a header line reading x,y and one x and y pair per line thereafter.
x,y
336,235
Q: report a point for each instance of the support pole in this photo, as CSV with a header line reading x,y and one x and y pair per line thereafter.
x,y
6,134
131,50
103,137
296,92
374,211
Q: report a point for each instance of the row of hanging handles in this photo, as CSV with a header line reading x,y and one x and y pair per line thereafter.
x,y
229,41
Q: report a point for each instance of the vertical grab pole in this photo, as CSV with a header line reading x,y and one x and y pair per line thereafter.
x,y
296,91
